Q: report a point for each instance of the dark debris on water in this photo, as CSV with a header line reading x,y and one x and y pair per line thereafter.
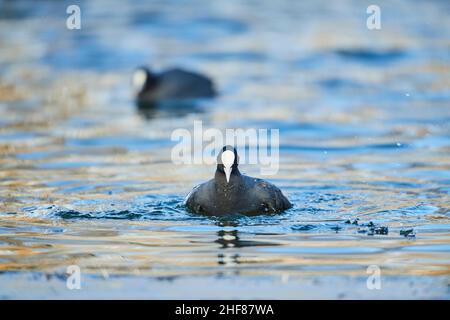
x,y
355,222
408,233
372,229
369,228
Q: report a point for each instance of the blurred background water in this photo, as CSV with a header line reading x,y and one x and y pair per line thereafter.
x,y
87,179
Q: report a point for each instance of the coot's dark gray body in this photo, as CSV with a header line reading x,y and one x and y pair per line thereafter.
x,y
242,194
174,85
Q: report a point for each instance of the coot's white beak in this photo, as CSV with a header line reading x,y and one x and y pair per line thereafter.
x,y
227,161
227,173
138,80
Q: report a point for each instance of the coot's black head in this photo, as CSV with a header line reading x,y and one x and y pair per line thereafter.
x,y
143,80
227,162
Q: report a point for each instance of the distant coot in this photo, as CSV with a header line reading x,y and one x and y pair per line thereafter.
x,y
231,192
170,85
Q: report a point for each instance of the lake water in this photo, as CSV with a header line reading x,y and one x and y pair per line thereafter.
x,y
86,179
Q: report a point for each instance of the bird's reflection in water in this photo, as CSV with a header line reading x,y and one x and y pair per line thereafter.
x,y
229,239
228,259
178,109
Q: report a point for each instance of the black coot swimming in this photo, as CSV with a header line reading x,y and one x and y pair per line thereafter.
x,y
231,192
173,85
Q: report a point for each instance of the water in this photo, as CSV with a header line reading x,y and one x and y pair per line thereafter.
x,y
86,179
